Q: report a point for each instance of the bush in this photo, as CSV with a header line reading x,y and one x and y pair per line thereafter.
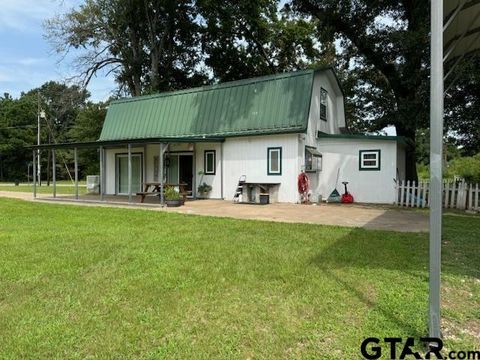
x,y
171,193
467,168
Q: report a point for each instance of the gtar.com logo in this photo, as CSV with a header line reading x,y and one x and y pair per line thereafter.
x,y
395,348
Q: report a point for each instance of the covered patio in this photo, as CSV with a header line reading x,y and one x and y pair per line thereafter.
x,y
136,182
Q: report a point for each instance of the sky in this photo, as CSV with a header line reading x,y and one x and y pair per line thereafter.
x,y
27,59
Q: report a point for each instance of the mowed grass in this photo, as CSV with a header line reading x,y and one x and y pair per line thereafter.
x,y
88,282
63,187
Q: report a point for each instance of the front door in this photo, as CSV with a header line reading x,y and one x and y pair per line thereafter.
x,y
122,173
185,171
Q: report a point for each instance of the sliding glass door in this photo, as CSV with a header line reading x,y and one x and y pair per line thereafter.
x,y
122,173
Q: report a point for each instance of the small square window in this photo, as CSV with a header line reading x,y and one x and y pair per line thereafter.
x,y
323,104
274,161
209,162
369,160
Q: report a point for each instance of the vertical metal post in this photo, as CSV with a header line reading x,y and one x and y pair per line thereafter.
x,y
160,173
129,173
436,148
221,171
194,178
34,175
102,173
75,156
54,174
39,174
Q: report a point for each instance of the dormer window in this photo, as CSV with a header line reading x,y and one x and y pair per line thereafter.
x,y
323,104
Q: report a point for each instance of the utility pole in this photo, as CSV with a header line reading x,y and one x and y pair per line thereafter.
x,y
40,115
38,139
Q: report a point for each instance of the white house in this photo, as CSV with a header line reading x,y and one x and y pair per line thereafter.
x,y
268,129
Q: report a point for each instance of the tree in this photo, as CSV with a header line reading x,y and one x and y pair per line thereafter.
x,y
17,131
462,105
87,127
384,56
149,45
255,37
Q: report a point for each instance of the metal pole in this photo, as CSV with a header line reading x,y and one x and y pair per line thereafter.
x,y
34,174
54,174
38,139
75,156
102,173
160,174
436,148
194,180
221,170
129,173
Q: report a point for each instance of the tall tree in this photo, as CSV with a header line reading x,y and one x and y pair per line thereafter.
x,y
255,37
149,45
384,57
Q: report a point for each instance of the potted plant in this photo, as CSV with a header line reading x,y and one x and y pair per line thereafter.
x,y
204,189
172,197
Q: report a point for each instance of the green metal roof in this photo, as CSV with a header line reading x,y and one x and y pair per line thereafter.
x,y
264,105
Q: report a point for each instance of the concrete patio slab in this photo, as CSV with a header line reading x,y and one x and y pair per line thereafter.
x,y
354,215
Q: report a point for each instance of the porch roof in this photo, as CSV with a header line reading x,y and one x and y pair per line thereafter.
x,y
113,143
264,105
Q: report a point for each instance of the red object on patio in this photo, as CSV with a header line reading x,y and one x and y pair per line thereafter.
x,y
303,184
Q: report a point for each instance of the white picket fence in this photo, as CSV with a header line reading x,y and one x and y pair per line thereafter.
x,y
456,195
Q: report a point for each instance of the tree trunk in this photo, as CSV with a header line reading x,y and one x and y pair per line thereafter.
x,y
410,153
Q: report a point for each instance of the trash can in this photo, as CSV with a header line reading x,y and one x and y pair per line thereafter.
x,y
264,199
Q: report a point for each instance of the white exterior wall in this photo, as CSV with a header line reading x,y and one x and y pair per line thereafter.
x,y
215,181
248,156
335,107
366,186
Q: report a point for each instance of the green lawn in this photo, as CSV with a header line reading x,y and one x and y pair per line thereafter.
x,y
64,187
79,282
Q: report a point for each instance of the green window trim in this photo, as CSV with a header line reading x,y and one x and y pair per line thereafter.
x,y
377,159
323,104
206,154
271,150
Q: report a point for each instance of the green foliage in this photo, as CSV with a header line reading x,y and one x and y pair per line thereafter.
x,y
204,188
467,168
97,282
171,193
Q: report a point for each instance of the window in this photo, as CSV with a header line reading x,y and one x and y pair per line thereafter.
x,y
313,160
274,163
323,104
369,160
209,162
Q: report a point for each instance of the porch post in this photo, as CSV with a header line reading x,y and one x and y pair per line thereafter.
x,y
75,156
221,171
102,173
160,173
436,158
194,179
129,173
34,174
54,174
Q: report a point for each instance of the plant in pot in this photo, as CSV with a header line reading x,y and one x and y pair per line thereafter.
x,y
172,197
204,189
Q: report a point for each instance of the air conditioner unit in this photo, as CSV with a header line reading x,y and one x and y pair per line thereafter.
x,y
93,184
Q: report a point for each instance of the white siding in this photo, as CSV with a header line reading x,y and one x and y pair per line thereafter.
x,y
365,186
335,107
248,156
214,180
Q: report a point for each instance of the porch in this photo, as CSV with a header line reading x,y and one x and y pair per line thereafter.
x,y
127,168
